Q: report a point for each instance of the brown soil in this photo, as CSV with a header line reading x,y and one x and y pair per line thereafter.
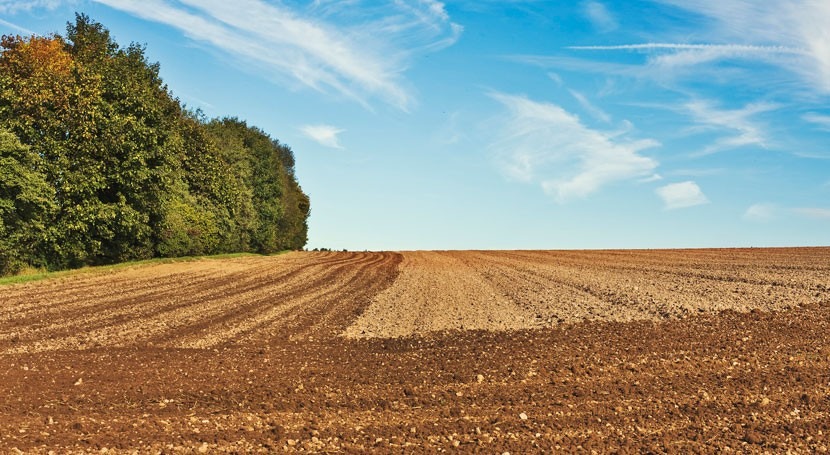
x,y
626,351
498,290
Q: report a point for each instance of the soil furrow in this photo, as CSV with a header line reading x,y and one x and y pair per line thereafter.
x,y
748,273
259,310
89,328
330,312
554,301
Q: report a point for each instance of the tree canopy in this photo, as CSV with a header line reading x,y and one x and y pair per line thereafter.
x,y
100,163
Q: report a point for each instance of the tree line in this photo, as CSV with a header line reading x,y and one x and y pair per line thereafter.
x,y
100,163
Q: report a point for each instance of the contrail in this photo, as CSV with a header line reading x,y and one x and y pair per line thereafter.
x,y
678,46
17,27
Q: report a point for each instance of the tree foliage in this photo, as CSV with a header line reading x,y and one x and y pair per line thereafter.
x,y
99,163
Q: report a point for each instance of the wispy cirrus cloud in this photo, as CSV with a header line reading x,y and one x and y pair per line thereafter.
x,y
651,178
745,130
590,108
817,213
822,121
600,17
542,143
667,60
17,27
668,63
12,7
17,6
761,212
698,172
325,135
723,49
681,195
769,212
795,27
320,46
789,35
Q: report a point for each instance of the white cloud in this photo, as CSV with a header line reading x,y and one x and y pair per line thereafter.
x,y
600,17
725,48
330,51
589,107
788,34
652,178
823,121
17,27
451,132
793,24
760,212
669,60
684,68
746,131
541,142
717,49
699,172
556,78
767,212
323,134
813,212
681,195
16,6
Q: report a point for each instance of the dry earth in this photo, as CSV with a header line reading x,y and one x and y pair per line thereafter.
x,y
578,351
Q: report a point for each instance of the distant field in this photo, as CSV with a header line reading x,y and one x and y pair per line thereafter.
x,y
533,289
495,350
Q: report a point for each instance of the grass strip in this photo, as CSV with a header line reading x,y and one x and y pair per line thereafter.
x,y
30,275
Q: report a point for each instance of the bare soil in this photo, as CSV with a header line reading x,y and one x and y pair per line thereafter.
x,y
499,290
522,351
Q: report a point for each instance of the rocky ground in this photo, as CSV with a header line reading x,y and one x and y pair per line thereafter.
x,y
606,351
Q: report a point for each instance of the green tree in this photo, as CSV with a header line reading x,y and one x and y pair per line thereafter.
x,y
43,101
26,206
138,121
281,207
130,172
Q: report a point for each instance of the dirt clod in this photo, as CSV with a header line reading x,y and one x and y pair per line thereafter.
x,y
753,437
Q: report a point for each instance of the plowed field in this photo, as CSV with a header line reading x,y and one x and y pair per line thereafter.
x,y
520,351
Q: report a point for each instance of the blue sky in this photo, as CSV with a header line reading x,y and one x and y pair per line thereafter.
x,y
420,124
